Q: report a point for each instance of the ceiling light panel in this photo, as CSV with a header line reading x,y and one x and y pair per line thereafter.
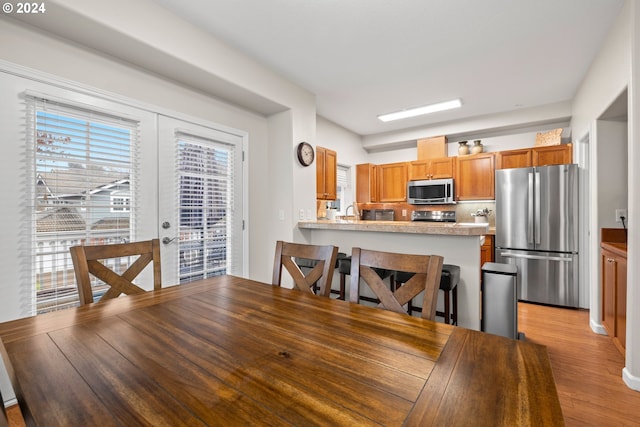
x,y
419,111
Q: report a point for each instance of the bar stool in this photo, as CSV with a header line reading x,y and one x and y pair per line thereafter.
x,y
310,263
344,269
448,284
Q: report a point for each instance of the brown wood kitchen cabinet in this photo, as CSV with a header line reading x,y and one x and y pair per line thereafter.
x,y
326,174
432,147
474,177
392,182
487,250
614,290
514,159
437,168
552,155
366,183
537,156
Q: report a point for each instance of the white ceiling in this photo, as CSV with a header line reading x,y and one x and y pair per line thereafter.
x,y
362,58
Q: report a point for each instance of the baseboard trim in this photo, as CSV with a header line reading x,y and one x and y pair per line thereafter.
x,y
597,328
632,381
10,402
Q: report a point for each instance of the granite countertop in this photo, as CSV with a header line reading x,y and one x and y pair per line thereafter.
x,y
417,227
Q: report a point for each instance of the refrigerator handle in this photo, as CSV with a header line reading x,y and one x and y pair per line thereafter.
x,y
537,208
540,257
530,217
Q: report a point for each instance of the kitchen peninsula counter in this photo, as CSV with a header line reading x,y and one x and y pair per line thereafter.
x,y
458,243
419,227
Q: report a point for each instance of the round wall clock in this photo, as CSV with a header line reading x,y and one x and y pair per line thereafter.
x,y
305,153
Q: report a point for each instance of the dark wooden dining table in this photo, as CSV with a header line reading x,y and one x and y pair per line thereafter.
x,y
232,351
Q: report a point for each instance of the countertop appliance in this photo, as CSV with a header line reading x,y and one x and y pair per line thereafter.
x,y
378,215
431,192
434,216
537,230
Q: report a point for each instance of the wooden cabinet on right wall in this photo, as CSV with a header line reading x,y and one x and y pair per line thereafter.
x,y
613,255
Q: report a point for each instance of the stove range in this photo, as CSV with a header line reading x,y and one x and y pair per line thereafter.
x,y
434,216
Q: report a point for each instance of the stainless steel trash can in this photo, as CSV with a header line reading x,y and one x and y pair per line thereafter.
x,y
500,299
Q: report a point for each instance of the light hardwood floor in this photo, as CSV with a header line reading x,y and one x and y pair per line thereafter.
x,y
587,368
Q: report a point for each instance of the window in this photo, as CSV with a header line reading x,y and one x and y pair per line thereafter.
x,y
119,202
206,198
83,173
343,189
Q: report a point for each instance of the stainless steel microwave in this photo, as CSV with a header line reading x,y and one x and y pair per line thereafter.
x,y
431,192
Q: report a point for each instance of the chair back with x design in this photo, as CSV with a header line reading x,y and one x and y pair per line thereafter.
x,y
427,269
320,275
87,260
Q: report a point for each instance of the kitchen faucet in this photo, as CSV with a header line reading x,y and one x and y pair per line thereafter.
x,y
355,210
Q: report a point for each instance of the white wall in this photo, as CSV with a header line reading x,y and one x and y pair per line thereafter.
x,y
631,371
616,67
606,79
612,171
347,144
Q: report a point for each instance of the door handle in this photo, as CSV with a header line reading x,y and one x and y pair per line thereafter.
x,y
167,240
530,218
537,209
541,257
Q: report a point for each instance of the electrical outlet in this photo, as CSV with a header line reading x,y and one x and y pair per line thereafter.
x,y
621,213
281,214
404,212
301,214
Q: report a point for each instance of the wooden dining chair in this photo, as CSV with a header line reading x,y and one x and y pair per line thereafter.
x,y
87,260
427,269
4,422
319,276
24,408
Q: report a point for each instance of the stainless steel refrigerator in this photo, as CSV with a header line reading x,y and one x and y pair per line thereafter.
x,y
537,230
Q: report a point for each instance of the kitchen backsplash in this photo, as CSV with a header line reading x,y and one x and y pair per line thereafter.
x,y
463,210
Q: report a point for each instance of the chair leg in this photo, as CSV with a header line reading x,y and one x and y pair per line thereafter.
x,y
447,308
342,286
455,305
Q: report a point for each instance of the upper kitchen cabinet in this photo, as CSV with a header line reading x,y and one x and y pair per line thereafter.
x,y
366,183
552,155
437,168
514,159
475,176
326,173
392,182
536,156
429,148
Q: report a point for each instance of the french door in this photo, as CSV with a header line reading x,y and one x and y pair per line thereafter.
x,y
200,201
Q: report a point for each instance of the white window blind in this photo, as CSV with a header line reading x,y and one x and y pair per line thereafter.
x,y
342,186
205,194
83,190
